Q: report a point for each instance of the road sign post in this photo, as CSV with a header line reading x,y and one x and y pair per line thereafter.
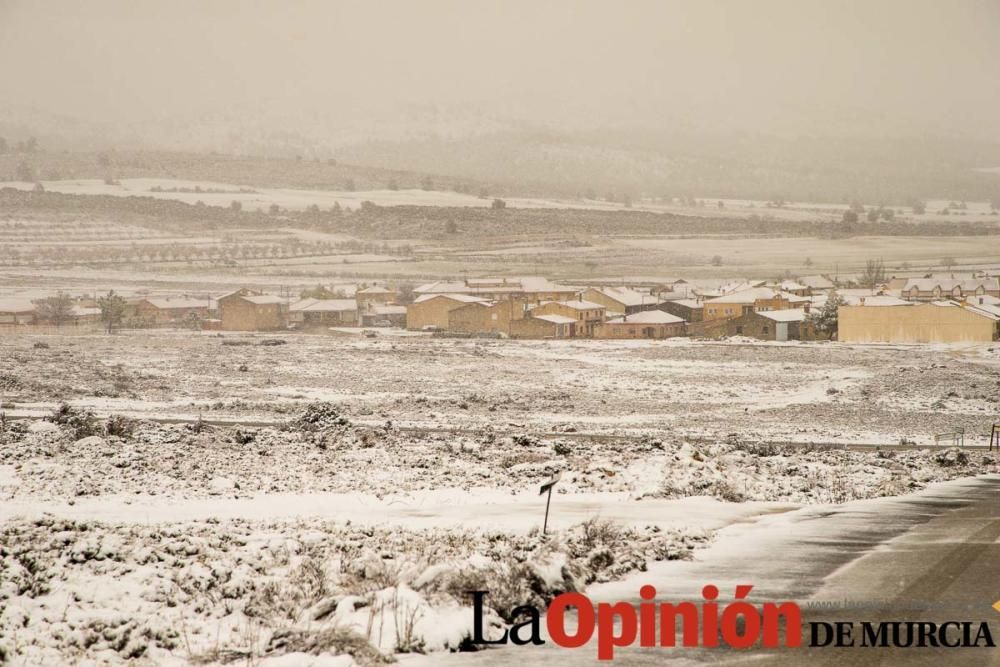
x,y
547,487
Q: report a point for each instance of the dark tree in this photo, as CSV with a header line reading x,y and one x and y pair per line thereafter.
x,y
404,293
112,310
825,320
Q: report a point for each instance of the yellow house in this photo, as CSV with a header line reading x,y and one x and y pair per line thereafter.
x,y
431,310
484,317
936,322
586,313
754,299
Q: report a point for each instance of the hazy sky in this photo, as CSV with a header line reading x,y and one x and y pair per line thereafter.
x,y
770,64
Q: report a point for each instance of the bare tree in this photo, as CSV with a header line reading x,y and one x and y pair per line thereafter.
x,y
56,309
874,273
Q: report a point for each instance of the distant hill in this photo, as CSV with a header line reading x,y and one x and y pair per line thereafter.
x,y
833,169
275,172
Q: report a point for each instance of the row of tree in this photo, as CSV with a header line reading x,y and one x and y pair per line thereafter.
x,y
29,145
58,309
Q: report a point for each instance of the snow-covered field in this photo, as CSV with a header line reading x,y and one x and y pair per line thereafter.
x,y
370,482
222,194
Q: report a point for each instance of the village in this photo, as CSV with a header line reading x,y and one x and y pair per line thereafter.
x,y
935,308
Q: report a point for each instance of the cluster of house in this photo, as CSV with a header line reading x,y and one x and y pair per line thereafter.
x,y
243,309
929,309
538,308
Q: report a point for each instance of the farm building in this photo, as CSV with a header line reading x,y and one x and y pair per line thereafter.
x,y
307,313
586,313
935,289
644,324
431,310
245,311
165,311
17,311
623,300
689,310
934,322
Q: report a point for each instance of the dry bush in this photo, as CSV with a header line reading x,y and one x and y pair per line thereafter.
x,y
335,640
81,423
119,426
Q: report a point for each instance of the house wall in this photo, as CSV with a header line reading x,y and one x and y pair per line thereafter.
x,y
751,325
921,323
477,318
160,316
241,315
719,311
530,327
777,303
432,312
346,318
639,330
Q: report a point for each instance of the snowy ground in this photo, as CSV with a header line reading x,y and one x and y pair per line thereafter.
x,y
384,477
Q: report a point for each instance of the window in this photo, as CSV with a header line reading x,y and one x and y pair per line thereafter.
x,y
739,330
764,330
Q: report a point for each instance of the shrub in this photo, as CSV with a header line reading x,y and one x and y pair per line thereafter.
x,y
81,423
119,426
319,416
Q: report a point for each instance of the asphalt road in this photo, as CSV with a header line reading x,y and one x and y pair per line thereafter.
x,y
933,556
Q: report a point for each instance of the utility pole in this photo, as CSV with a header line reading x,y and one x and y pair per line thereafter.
x,y
547,487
